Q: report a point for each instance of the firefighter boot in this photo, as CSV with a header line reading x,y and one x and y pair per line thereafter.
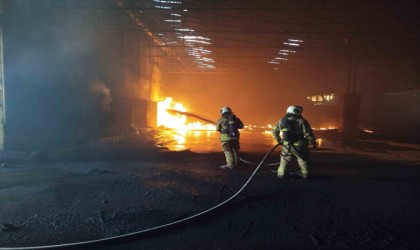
x,y
280,171
235,158
230,160
284,161
303,165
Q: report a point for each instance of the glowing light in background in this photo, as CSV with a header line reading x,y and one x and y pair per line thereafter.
x,y
295,40
326,128
292,44
324,99
173,20
282,54
187,36
368,131
319,142
163,7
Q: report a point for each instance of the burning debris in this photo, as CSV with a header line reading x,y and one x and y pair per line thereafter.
x,y
173,115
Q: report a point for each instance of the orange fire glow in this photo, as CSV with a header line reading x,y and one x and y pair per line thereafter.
x,y
325,128
177,121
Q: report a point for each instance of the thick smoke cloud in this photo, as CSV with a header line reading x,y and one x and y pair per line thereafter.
x,y
52,78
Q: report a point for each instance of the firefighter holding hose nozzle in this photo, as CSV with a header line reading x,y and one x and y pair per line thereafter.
x,y
228,126
296,136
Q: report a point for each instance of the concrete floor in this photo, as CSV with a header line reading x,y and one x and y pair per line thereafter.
x,y
362,195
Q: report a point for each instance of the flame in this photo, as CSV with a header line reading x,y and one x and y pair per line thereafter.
x,y
167,120
177,121
178,128
330,127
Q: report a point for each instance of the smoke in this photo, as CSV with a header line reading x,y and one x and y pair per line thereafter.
x,y
101,93
256,98
54,92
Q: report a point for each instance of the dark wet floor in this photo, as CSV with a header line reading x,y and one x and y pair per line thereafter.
x,y
261,142
362,194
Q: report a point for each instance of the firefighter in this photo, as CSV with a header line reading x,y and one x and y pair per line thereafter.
x,y
228,126
296,136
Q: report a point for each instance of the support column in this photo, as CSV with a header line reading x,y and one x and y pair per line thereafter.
x,y
351,106
351,115
2,96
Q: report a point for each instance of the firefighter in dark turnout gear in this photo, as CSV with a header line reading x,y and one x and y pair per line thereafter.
x,y
228,126
296,136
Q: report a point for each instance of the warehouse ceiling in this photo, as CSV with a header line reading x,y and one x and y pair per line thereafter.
x,y
219,35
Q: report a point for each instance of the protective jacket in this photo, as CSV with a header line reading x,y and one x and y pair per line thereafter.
x,y
228,126
296,131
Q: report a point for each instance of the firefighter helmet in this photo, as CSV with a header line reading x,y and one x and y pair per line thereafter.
x,y
225,110
296,110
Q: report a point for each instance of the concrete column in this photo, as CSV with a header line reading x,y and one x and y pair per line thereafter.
x,y
2,96
351,110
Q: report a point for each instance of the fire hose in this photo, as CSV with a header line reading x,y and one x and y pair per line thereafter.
x,y
149,230
256,163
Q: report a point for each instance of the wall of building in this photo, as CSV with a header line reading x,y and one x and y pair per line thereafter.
x,y
397,113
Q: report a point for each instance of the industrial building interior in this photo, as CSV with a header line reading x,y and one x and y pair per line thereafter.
x,y
108,109
118,58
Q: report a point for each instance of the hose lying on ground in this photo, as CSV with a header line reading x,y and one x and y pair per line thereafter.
x,y
150,230
270,164
256,163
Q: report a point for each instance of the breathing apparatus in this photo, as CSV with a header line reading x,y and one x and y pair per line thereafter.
x,y
289,123
232,128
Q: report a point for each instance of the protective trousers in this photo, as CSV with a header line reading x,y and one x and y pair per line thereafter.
x,y
303,157
231,151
